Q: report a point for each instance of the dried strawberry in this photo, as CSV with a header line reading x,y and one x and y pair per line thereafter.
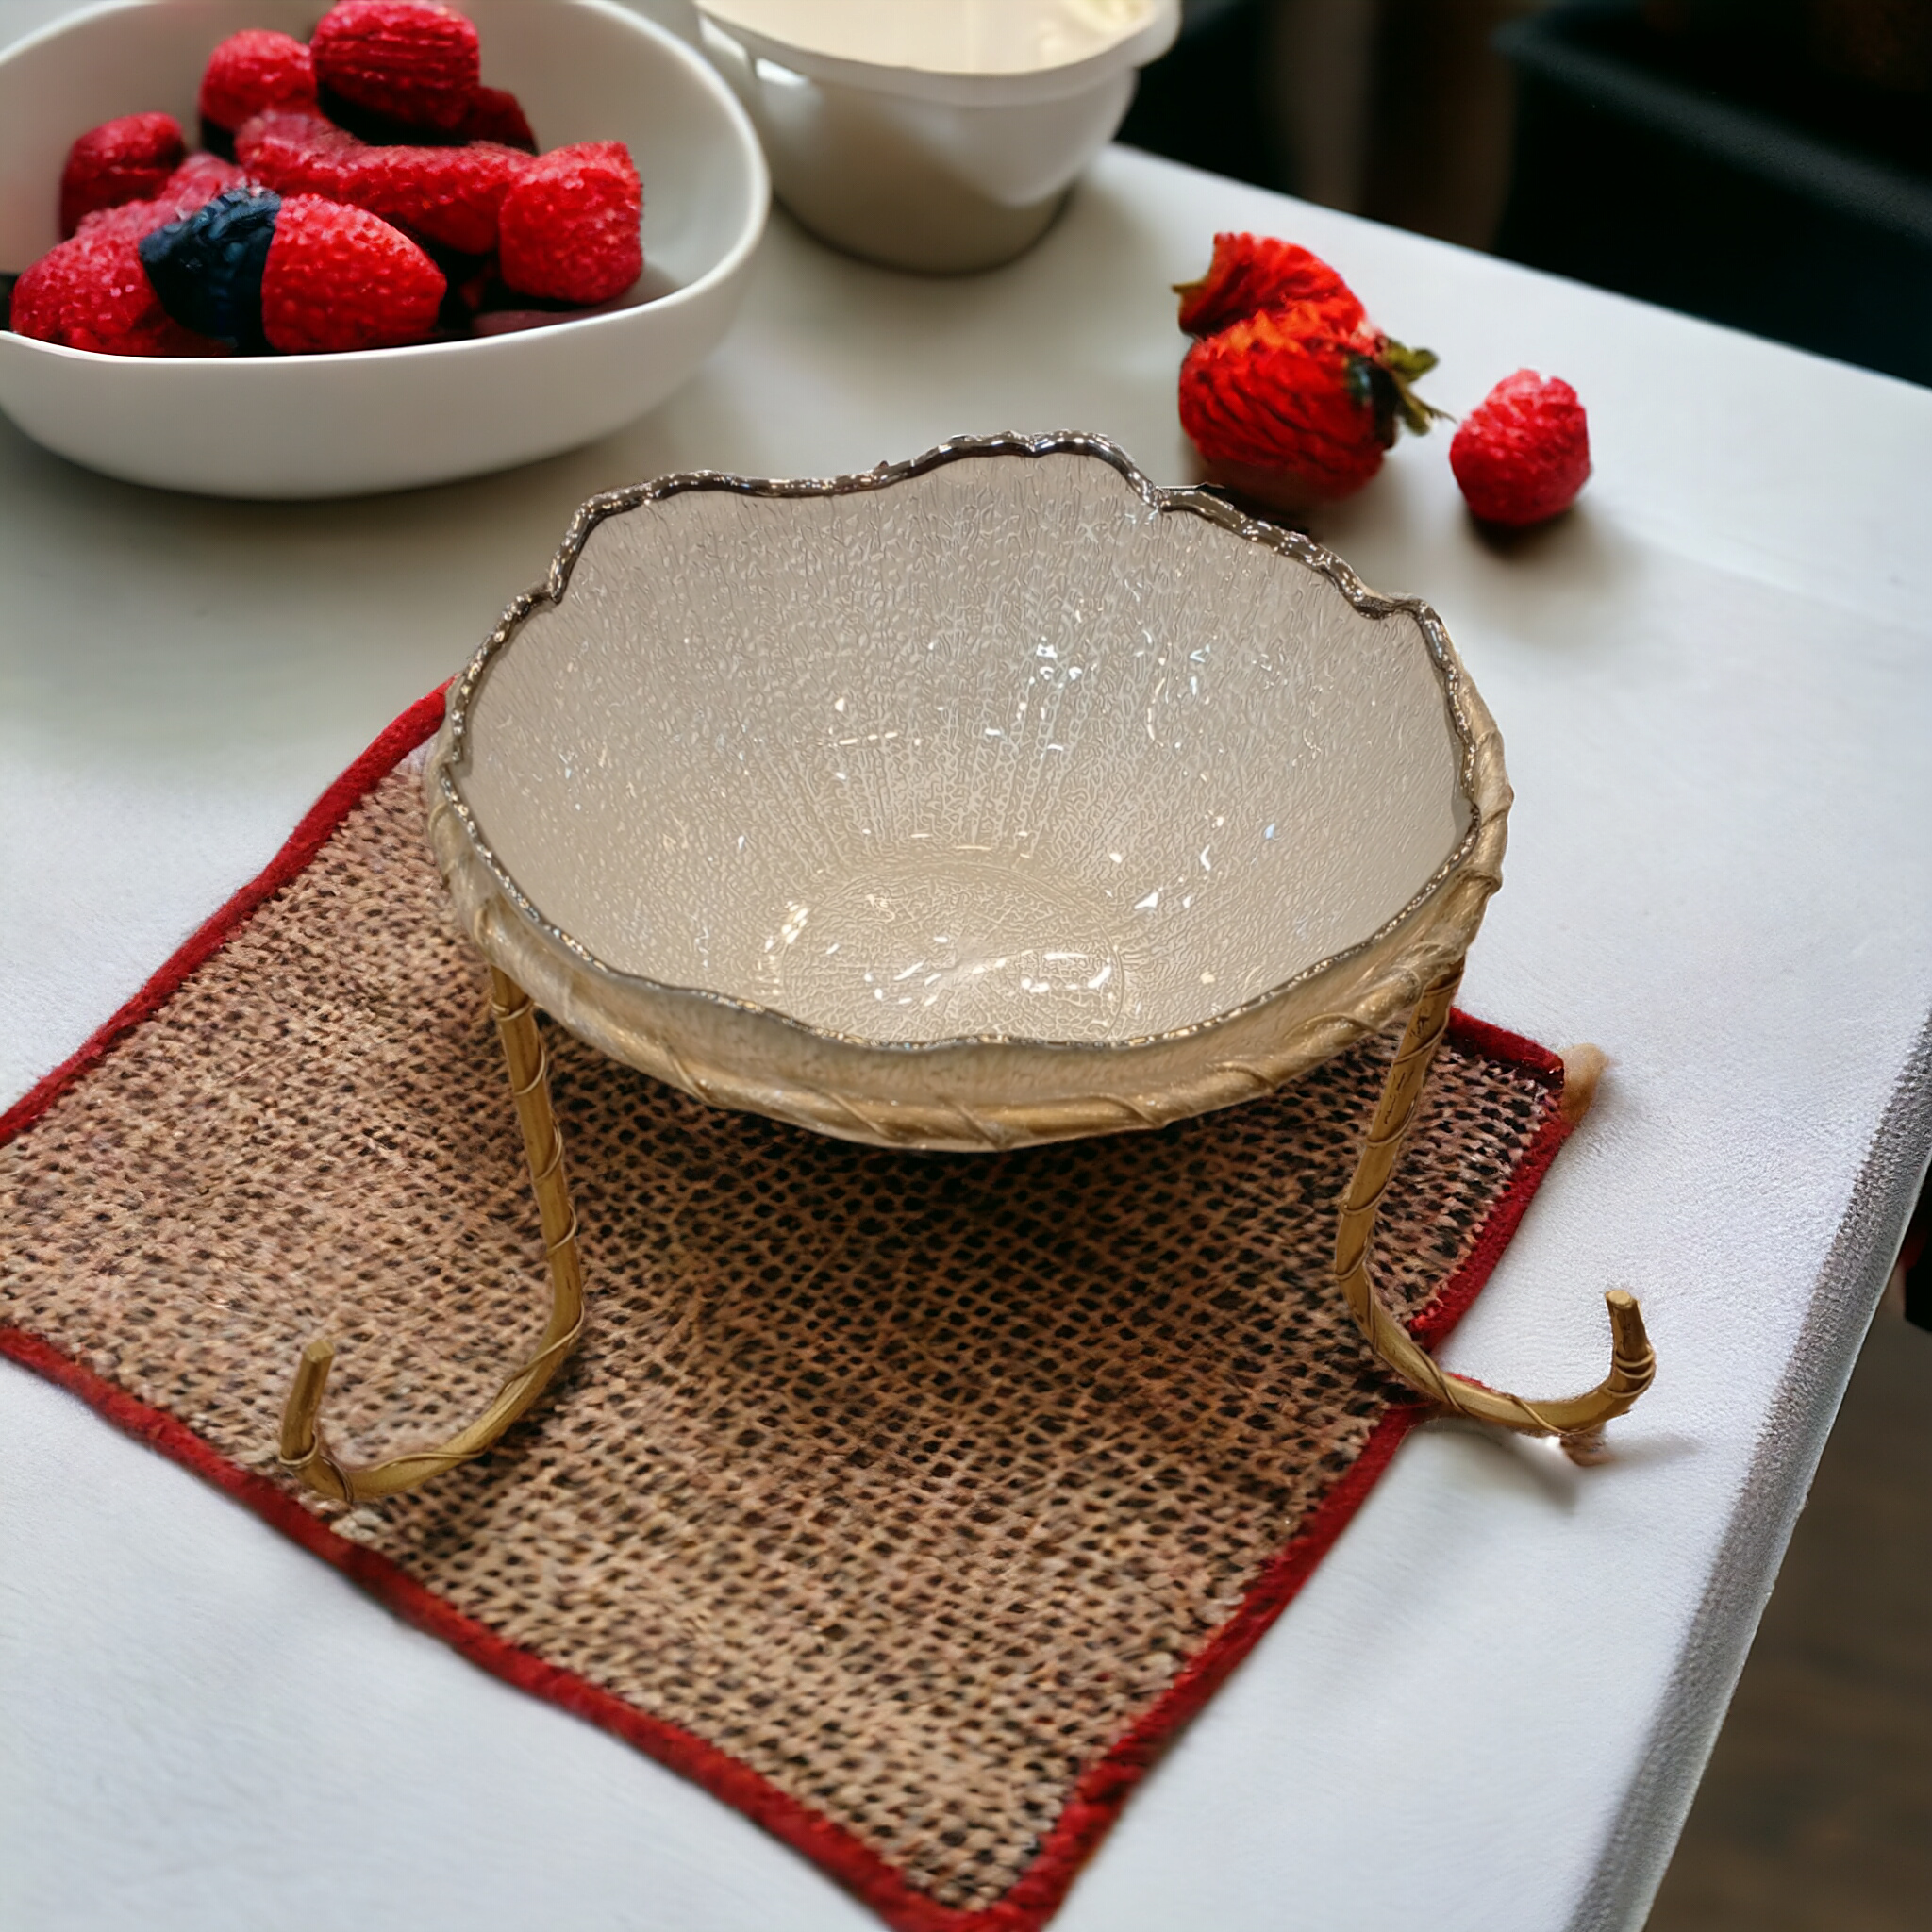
x,y
128,159
410,59
1250,272
492,114
198,179
454,195
447,194
295,151
1288,408
129,221
339,278
192,185
568,230
1523,453
497,114
251,71
91,292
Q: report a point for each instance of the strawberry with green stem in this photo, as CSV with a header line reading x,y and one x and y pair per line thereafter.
x,y
1290,394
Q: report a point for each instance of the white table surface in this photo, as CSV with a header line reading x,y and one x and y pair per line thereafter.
x,y
1489,1707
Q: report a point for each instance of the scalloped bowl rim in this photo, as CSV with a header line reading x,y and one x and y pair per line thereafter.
x,y
1481,781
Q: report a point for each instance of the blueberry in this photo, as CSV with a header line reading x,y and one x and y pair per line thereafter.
x,y
207,267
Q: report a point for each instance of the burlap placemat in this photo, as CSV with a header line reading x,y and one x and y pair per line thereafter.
x,y
908,1503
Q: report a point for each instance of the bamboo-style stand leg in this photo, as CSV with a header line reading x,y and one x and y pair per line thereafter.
x,y
305,1449
1578,1421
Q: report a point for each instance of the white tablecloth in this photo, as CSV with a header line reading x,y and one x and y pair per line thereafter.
x,y
1490,1706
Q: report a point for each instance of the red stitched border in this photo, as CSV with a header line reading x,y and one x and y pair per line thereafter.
x,y
415,726
1096,1800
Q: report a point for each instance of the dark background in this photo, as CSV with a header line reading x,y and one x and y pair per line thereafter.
x,y
1766,163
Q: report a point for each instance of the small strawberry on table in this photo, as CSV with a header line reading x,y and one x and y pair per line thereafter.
x,y
1523,453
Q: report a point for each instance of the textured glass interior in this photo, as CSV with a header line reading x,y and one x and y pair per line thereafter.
x,y
999,749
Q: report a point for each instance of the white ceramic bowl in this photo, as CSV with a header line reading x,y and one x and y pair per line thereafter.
x,y
940,134
995,797
386,419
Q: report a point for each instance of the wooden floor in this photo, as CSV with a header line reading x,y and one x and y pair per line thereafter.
x,y
1816,1813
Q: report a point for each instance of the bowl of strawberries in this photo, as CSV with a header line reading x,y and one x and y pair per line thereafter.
x,y
252,252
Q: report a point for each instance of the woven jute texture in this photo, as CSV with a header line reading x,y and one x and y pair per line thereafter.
x,y
910,1483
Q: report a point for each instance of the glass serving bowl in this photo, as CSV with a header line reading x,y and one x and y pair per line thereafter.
x,y
995,797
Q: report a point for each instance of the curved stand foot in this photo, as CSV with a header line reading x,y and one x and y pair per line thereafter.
x,y
305,1449
1577,1422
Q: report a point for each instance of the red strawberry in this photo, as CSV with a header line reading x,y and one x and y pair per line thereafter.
x,y
199,180
449,194
192,185
91,293
410,59
129,221
568,230
295,151
338,278
1250,272
1286,406
253,71
495,114
1523,453
454,195
128,159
